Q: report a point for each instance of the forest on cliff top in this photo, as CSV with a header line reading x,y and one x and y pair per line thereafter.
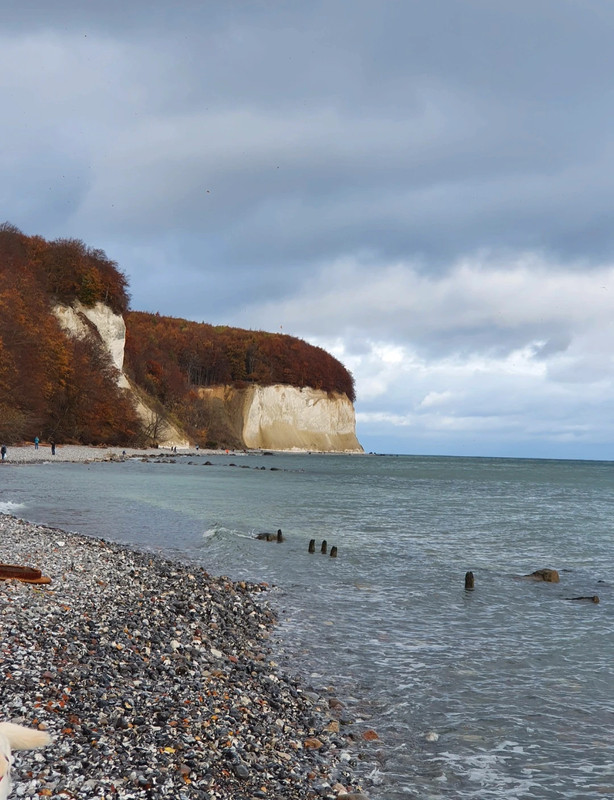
x,y
65,389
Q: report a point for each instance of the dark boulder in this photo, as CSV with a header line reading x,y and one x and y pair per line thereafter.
x,y
547,575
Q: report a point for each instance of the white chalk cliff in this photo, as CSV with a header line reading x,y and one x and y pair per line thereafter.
x,y
111,330
284,417
276,417
110,326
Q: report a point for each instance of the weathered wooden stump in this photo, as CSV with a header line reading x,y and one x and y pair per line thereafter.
x,y
324,547
333,552
312,546
469,581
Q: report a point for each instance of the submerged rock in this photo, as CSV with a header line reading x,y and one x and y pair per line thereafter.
x,y
547,575
591,599
271,537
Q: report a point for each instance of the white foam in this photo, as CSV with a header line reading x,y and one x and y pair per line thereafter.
x,y
8,507
376,777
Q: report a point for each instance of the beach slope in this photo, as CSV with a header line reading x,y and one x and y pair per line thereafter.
x,y
154,679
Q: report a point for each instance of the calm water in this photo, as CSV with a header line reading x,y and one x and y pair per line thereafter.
x,y
504,692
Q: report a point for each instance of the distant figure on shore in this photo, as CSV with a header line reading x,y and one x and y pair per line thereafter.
x,y
36,441
52,448
3,451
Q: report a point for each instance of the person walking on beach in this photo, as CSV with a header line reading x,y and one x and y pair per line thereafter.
x,y
52,448
36,440
3,451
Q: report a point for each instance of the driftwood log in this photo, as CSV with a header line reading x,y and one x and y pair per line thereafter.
x,y
21,573
592,599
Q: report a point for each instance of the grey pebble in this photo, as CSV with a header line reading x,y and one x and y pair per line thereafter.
x,y
241,771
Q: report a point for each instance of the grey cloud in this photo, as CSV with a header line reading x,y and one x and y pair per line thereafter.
x,y
401,129
554,345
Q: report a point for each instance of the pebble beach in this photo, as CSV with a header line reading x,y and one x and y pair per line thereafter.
x,y
28,454
155,679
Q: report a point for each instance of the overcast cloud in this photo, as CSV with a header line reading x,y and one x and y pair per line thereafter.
x,y
423,188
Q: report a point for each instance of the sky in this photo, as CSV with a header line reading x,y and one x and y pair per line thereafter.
x,y
423,188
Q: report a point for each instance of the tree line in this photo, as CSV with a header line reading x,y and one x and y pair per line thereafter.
x,y
167,356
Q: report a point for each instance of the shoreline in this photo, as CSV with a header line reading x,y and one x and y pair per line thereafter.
x,y
155,680
73,453
27,454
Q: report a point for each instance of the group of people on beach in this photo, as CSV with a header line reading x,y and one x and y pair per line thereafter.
x,y
4,451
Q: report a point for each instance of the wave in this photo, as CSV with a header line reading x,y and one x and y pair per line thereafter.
x,y
220,530
8,507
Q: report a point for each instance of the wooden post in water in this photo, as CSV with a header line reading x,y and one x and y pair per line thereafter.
x,y
324,547
333,552
469,581
312,545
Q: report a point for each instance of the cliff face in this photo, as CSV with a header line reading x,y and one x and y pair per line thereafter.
x,y
77,365
277,417
111,329
80,321
284,418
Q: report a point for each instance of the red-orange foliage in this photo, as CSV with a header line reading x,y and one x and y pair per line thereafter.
x,y
168,356
52,386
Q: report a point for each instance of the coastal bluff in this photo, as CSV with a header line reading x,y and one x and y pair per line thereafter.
x,y
282,417
79,366
109,328
276,417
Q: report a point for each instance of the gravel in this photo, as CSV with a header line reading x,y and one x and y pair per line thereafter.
x,y
27,454
155,680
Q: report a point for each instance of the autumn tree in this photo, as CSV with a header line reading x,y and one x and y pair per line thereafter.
x,y
208,356
52,385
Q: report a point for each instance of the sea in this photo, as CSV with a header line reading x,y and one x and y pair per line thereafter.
x,y
503,692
